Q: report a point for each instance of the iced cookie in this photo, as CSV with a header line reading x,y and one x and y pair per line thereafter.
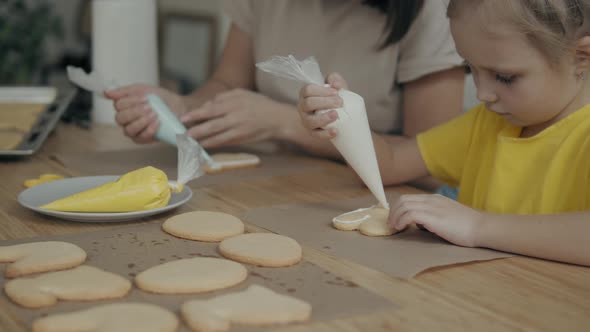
x,y
83,283
191,275
227,161
369,221
35,257
204,226
117,317
264,249
256,306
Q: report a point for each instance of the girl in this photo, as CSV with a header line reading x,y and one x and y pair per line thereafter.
x,y
521,158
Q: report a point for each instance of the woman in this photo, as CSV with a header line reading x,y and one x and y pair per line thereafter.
x,y
398,55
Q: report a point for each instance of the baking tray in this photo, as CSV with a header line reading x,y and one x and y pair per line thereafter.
x,y
57,101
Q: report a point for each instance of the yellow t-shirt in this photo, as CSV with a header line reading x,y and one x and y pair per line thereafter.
x,y
499,172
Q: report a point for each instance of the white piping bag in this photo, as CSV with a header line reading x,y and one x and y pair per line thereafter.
x,y
170,125
354,140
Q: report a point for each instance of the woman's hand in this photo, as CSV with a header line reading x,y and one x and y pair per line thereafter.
x,y
443,216
235,116
314,98
135,115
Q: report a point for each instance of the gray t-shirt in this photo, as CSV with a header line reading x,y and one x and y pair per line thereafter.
x,y
344,36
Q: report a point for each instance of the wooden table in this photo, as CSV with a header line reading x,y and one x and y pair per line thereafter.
x,y
508,294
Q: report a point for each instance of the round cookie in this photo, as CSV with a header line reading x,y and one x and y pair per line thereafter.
x,y
82,283
116,317
191,275
36,257
204,226
264,249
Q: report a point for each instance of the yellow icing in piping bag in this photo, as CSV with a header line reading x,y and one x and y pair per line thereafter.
x,y
142,189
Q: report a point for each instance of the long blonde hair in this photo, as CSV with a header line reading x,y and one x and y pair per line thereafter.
x,y
552,26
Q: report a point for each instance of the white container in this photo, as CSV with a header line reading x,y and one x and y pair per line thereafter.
x,y
124,47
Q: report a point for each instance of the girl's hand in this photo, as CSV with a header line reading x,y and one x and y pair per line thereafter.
x,y
135,115
233,117
443,216
314,98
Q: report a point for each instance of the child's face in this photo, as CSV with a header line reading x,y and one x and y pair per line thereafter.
x,y
513,78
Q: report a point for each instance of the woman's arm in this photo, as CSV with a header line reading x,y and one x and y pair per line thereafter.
x,y
429,101
432,100
235,69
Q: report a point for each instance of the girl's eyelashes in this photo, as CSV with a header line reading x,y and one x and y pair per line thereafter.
x,y
505,79
502,78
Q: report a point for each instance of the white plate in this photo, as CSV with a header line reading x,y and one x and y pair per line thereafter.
x,y
45,193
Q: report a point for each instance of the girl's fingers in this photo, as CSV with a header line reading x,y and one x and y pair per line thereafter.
x,y
314,90
318,121
337,81
410,217
324,133
311,104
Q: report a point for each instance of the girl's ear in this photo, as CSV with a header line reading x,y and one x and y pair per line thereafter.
x,y
583,55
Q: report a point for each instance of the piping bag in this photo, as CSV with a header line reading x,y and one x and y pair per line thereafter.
x,y
170,125
142,189
354,140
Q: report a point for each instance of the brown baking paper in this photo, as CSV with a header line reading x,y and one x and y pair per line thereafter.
x,y
118,162
402,255
130,250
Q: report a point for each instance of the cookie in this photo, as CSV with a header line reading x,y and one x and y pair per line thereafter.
x,y
256,306
35,257
191,275
228,161
264,249
83,283
204,226
372,221
117,317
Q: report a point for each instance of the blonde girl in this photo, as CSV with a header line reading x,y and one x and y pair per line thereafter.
x,y
521,158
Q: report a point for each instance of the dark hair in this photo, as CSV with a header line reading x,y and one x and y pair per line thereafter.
x,y
400,15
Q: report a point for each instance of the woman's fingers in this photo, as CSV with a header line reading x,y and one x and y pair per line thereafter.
x,y
210,127
129,90
123,118
148,133
134,128
129,102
